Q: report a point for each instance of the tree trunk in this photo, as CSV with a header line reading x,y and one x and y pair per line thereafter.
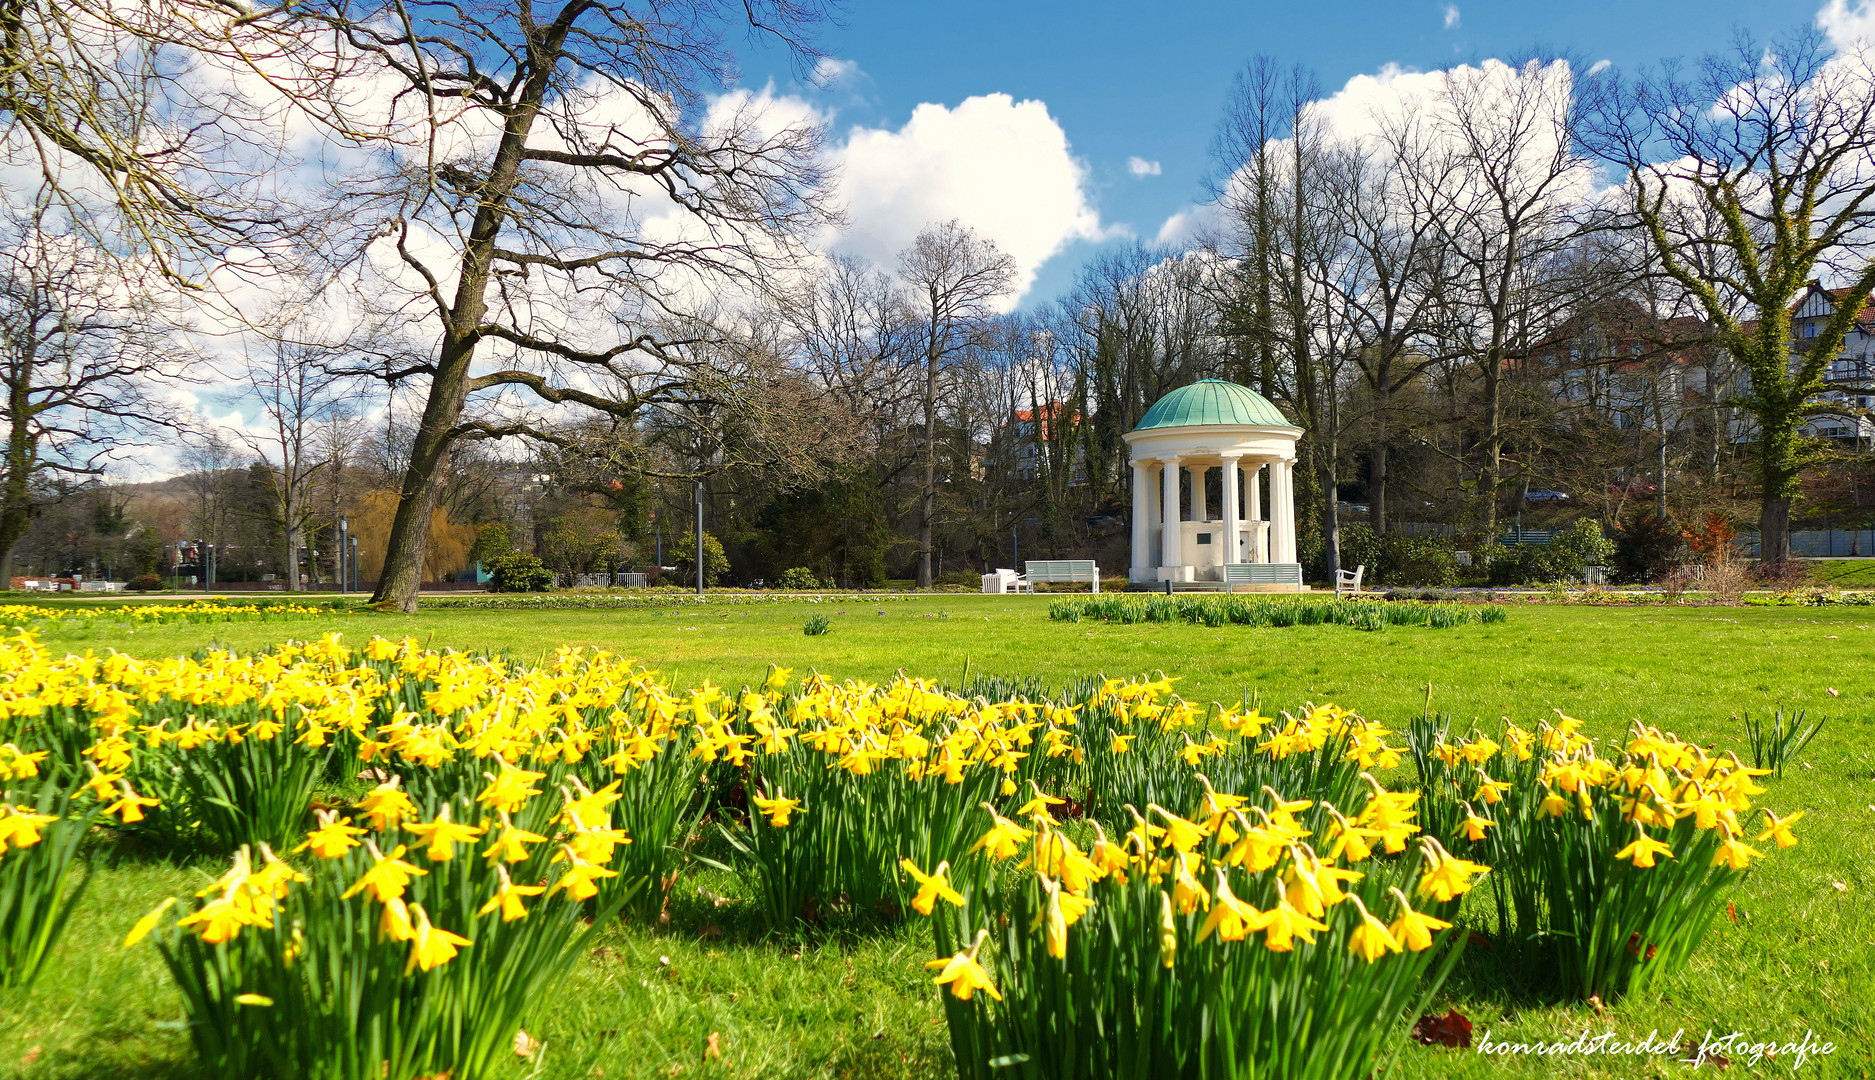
x,y
1331,511
422,483
1493,437
927,501
1377,485
16,505
1774,530
402,576
292,559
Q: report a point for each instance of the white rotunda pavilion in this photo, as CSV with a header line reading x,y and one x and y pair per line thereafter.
x,y
1199,458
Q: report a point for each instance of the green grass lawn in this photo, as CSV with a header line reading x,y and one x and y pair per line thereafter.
x,y
1799,954
1843,573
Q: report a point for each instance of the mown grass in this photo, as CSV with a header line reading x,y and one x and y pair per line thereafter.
x,y
855,1002
1843,573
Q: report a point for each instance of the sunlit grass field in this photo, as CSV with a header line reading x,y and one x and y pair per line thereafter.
x,y
706,994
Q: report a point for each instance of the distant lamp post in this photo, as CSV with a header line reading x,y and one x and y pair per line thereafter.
x,y
699,538
344,527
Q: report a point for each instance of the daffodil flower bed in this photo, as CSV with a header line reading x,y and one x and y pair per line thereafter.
x,y
1373,614
1611,867
1220,945
42,823
1084,927
194,611
400,942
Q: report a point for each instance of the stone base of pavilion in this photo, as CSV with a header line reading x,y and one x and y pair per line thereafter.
x,y
1237,579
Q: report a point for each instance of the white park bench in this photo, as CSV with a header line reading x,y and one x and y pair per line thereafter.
x,y
1063,571
1005,581
1262,573
1349,580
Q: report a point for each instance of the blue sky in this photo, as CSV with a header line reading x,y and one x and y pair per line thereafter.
x,y
1148,81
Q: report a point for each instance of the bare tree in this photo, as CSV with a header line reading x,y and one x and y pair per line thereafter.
x,y
955,276
78,361
521,153
301,406
1751,174
1507,192
1392,271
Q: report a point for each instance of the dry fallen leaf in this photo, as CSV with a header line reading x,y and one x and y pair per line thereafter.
x,y
31,1056
1731,911
715,1047
1595,1002
1839,886
1452,1029
525,1044
1833,692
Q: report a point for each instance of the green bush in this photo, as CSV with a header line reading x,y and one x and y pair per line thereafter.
x,y
518,573
1647,548
684,557
816,625
1562,559
800,577
1398,560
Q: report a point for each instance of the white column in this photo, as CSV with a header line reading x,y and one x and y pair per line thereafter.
x,y
1142,510
1253,492
1171,551
1282,512
1231,552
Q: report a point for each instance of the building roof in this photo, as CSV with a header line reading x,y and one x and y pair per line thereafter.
x,y
1212,402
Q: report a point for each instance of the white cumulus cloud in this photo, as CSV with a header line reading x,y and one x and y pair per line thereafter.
x,y
831,71
1451,16
1847,26
1139,166
1000,166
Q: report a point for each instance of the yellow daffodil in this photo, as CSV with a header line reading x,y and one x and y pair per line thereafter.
x,y
1413,929
508,896
963,974
443,835
429,945
1371,940
508,845
931,886
1643,849
779,809
387,876
1780,829
333,838
386,805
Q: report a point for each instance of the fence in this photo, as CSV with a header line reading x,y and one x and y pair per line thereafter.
x,y
1820,543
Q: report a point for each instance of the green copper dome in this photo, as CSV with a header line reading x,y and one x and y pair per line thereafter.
x,y
1212,402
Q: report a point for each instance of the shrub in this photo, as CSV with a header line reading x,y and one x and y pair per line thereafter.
x,y
1562,559
1647,547
800,577
146,583
816,625
684,558
491,543
1789,574
518,573
1393,559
